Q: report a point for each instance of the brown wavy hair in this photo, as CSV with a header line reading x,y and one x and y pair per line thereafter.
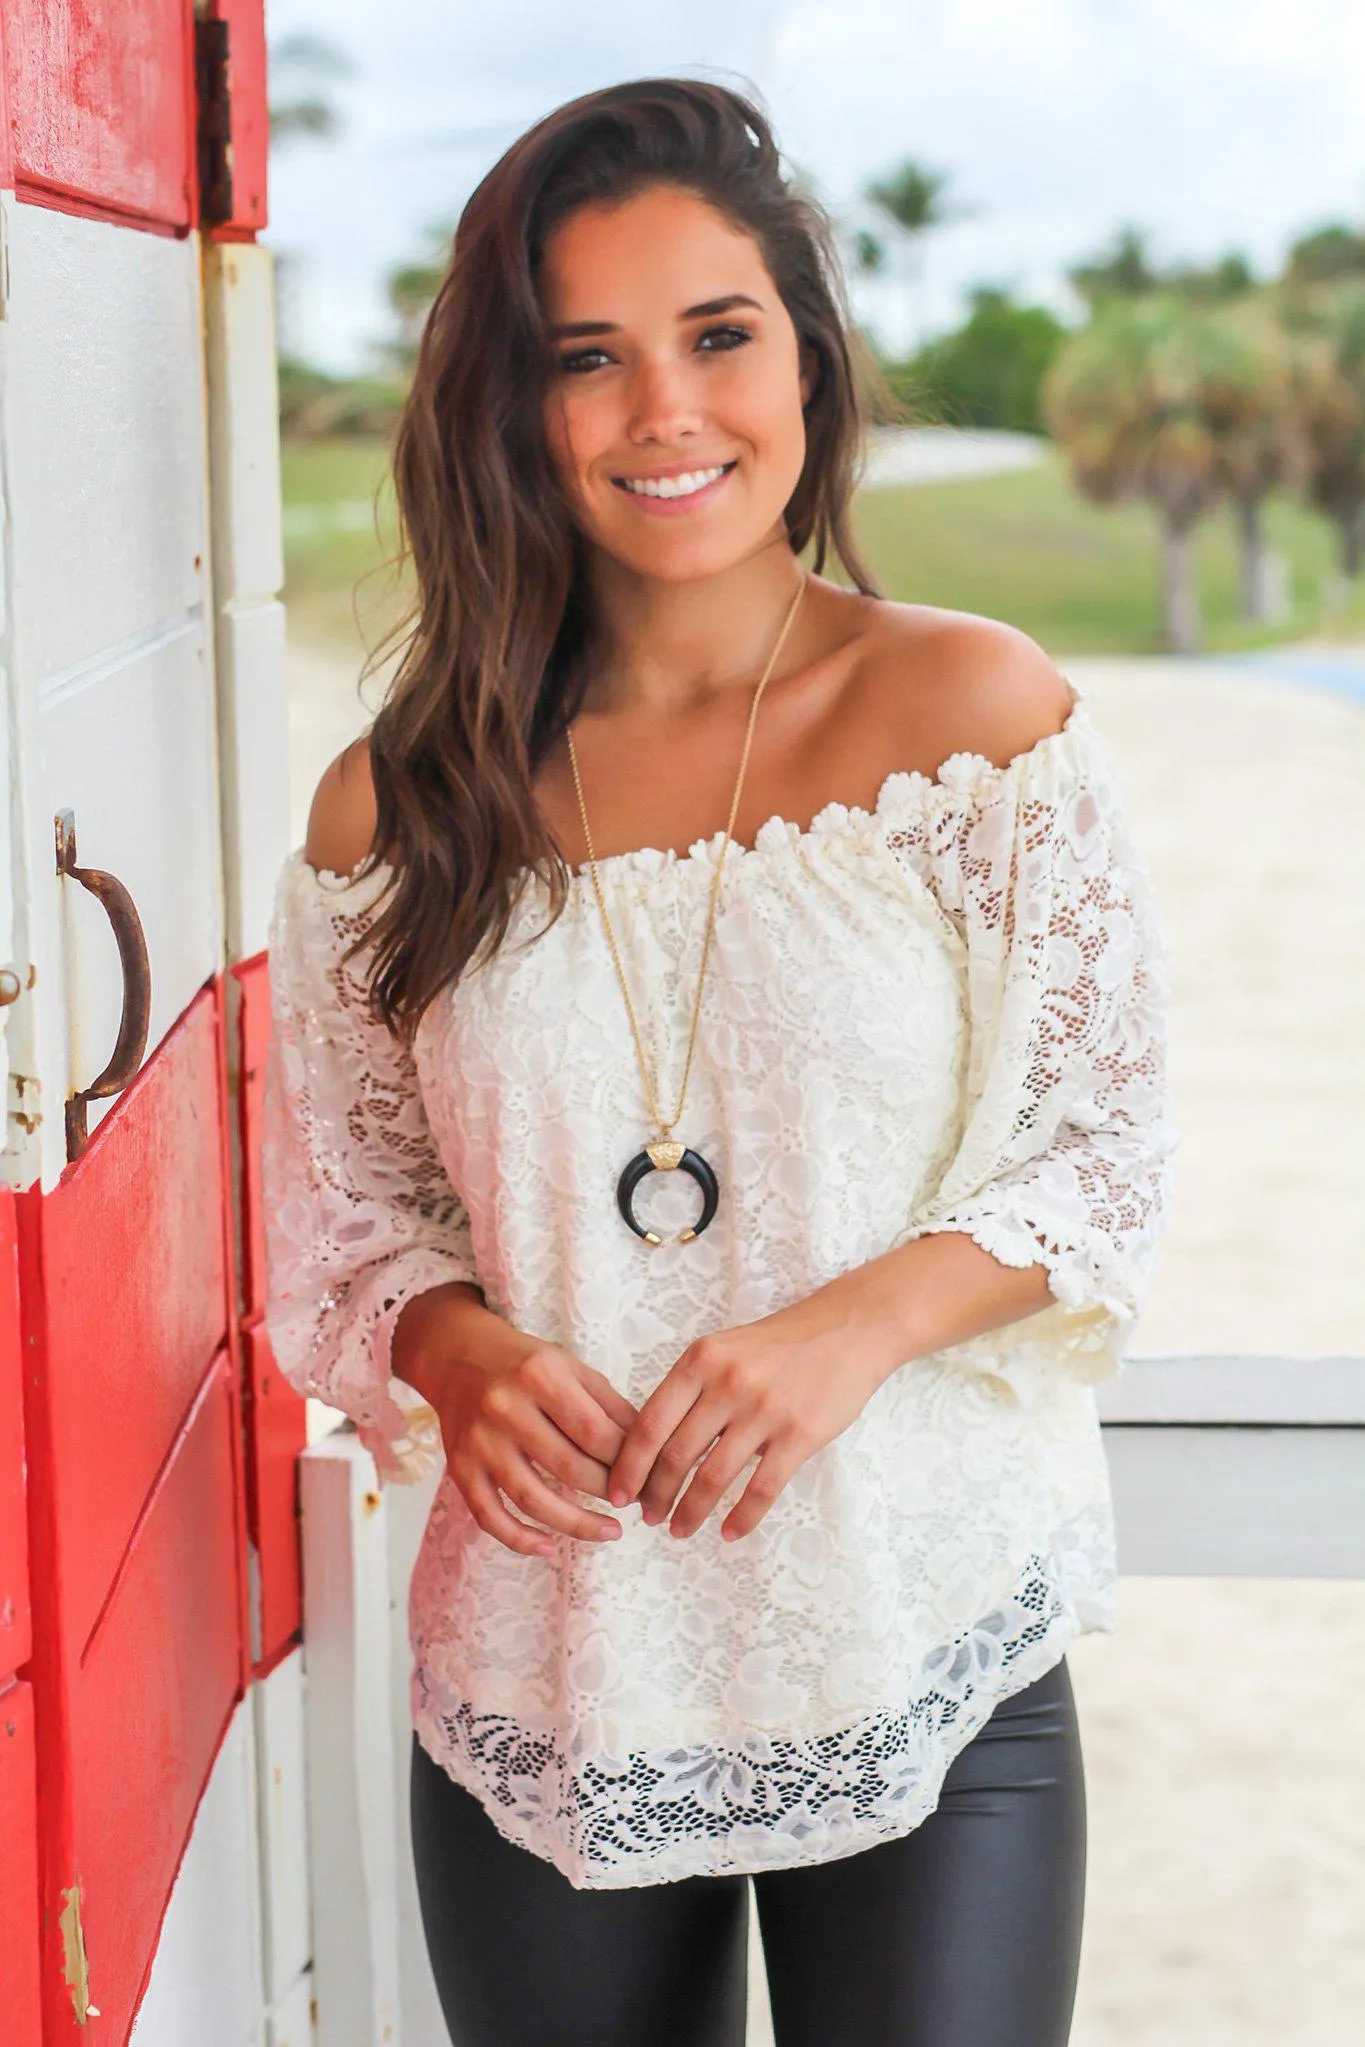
x,y
497,640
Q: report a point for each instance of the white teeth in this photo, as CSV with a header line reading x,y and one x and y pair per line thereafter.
x,y
672,486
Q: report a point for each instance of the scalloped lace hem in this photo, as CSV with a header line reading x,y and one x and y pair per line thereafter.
x,y
702,1809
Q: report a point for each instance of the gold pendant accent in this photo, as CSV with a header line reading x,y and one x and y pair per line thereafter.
x,y
665,1153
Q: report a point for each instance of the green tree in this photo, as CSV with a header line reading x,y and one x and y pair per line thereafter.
x,y
1250,403
1329,380
989,373
411,287
1327,255
1122,271
1128,399
1126,270
910,201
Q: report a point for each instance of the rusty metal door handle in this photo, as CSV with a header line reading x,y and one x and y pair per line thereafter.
x,y
131,1043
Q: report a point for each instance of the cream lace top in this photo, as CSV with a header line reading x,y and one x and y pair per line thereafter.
x,y
946,1013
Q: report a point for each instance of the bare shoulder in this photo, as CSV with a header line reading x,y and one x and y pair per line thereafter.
x,y
966,684
341,822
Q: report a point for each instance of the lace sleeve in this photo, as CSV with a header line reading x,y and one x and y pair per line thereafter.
x,y
360,1215
1065,1152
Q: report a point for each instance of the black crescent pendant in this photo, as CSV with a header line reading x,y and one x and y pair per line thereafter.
x,y
665,1155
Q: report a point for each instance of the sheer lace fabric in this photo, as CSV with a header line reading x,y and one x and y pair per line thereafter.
x,y
947,1013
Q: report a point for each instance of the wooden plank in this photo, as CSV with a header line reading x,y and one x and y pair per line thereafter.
x,y
1238,1502
251,977
276,1421
19,1976
1186,1387
152,1701
138,1299
16,1631
351,1803
101,106
111,681
278,1704
248,572
205,1984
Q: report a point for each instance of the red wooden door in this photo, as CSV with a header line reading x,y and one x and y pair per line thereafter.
x,y
148,1560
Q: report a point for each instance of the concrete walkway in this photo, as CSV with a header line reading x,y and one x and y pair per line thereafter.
x,y
1226,1791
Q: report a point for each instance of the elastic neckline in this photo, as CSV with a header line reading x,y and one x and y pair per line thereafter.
x,y
961,774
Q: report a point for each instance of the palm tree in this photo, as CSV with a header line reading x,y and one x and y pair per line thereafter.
x,y
1250,405
1127,397
910,200
1329,374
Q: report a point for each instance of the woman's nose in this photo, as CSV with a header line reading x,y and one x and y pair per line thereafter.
x,y
664,402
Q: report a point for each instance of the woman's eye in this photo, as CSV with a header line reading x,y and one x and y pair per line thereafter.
x,y
586,359
571,364
734,337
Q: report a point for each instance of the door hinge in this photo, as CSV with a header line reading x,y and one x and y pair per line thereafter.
x,y
75,1963
213,86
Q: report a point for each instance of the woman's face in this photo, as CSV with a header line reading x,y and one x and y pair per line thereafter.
x,y
677,366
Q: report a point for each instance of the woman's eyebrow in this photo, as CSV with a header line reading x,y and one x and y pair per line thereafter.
x,y
573,330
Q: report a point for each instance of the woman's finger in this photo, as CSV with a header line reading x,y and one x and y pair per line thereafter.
x,y
729,1457
550,1447
691,1440
526,1489
583,1415
618,1408
776,1467
650,1430
481,1497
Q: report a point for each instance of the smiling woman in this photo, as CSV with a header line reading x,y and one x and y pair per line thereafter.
x,y
921,1018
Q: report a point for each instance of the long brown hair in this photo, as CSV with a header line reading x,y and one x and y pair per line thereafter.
x,y
494,647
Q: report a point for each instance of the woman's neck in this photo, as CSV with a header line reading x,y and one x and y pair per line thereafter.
x,y
665,649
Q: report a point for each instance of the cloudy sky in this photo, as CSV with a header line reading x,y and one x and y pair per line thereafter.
x,y
1209,123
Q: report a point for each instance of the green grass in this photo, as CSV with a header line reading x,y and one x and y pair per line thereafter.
x,y
1021,547
337,542
1082,579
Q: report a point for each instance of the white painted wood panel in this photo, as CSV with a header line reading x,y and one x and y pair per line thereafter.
x,y
144,796
104,435
290,2023
1182,1387
248,573
254,766
1238,1502
351,1791
205,1985
278,1703
423,2025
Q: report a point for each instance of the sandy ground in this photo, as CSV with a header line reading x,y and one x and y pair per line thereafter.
x,y
1223,1724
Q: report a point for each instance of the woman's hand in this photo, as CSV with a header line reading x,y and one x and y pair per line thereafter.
x,y
780,1388
517,1414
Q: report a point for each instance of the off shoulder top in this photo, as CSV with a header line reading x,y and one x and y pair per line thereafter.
x,y
946,1013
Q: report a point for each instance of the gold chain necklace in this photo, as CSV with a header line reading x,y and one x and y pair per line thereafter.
x,y
665,1152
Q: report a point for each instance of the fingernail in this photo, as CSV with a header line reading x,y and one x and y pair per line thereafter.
x,y
651,1515
675,1530
608,1533
618,1495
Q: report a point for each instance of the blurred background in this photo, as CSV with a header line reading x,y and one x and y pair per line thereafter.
x,y
1111,256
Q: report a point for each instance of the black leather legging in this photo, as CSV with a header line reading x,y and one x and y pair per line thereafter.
x,y
965,1932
